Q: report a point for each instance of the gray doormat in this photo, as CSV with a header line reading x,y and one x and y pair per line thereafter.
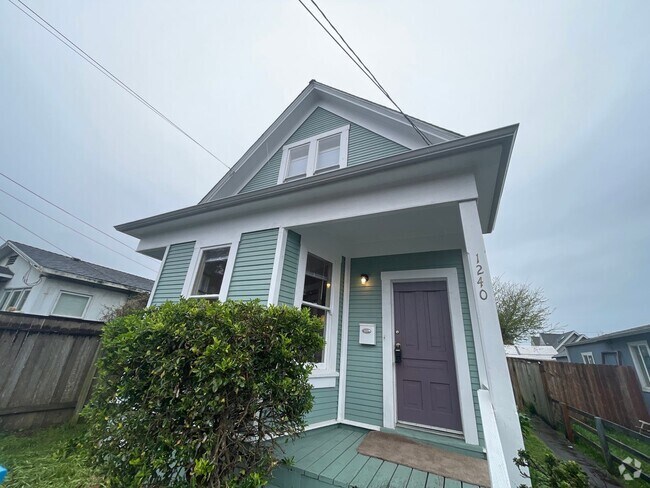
x,y
402,450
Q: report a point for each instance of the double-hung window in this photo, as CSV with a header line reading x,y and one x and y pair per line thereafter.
x,y
316,294
315,155
211,271
641,358
12,300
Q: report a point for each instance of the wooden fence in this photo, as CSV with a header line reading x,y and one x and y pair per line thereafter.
x,y
46,369
609,392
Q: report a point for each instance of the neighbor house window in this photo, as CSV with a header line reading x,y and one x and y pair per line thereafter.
x,y
71,305
316,293
588,358
641,358
212,269
12,300
317,154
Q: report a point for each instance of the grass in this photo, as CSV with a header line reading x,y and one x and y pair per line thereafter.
x,y
537,450
45,459
597,455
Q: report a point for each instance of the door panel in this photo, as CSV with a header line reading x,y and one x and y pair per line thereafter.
x,y
427,389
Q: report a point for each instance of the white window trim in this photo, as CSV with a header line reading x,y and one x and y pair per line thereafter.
x,y
465,394
196,266
585,355
638,366
324,374
56,302
313,153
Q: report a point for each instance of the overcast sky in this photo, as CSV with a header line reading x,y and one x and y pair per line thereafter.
x,y
574,219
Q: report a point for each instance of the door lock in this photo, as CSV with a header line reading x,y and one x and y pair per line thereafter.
x,y
398,353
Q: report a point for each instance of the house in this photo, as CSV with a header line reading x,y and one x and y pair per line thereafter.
x,y
341,207
40,282
629,347
536,353
559,341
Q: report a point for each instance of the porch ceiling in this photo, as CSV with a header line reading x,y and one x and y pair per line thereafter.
x,y
414,230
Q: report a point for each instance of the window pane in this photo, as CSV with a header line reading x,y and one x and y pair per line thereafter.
x,y
13,299
643,357
329,149
70,305
298,161
4,299
322,315
318,279
22,300
213,267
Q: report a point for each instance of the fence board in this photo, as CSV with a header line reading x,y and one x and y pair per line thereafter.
x,y
610,392
44,363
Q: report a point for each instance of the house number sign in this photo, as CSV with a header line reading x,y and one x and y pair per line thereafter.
x,y
479,273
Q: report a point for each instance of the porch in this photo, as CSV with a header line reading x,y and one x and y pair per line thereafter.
x,y
328,457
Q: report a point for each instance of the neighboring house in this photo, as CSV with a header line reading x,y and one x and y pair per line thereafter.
x,y
630,347
539,353
341,207
559,341
40,282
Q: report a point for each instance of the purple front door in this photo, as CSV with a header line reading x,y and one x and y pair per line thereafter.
x,y
427,390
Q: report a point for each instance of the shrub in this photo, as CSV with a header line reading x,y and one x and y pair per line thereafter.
x,y
196,393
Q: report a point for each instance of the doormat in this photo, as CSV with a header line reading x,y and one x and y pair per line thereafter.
x,y
402,450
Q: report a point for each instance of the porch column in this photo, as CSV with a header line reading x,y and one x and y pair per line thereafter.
x,y
496,367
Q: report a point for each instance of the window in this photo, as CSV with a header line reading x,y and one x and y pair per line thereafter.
x,y
211,271
317,154
611,358
13,299
588,358
71,305
641,358
316,293
11,259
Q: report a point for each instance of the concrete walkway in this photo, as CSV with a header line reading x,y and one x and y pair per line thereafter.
x,y
561,447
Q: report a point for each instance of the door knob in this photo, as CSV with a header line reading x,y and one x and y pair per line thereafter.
x,y
398,353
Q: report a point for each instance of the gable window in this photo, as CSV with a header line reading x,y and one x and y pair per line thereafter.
x,y
641,358
316,293
71,305
588,358
12,300
318,154
212,269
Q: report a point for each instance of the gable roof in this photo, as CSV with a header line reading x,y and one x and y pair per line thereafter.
x,y
385,121
74,268
556,340
643,329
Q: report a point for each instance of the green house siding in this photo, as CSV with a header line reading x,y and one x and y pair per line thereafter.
x,y
325,405
289,270
174,270
364,396
363,146
251,276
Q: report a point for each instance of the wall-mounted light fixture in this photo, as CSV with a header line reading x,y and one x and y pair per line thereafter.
x,y
364,279
329,285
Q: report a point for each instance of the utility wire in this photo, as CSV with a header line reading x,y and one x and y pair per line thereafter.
x,y
66,212
97,65
34,233
360,64
75,230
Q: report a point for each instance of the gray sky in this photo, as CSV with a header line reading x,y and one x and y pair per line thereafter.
x,y
574,219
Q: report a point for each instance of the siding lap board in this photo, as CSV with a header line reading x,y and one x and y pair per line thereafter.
x,y
363,146
290,270
174,271
251,276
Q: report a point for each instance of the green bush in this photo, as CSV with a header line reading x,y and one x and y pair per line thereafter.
x,y
196,393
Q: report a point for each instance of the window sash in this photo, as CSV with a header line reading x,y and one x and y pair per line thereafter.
x,y
71,305
201,280
14,297
643,362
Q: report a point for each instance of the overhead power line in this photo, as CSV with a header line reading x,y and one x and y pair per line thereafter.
x,y
356,59
34,233
76,231
102,69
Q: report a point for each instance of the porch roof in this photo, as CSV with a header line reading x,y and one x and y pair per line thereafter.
x,y
440,159
328,457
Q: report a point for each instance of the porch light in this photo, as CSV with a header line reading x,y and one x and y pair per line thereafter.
x,y
329,285
364,279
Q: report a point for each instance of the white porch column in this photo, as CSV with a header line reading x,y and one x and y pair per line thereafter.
x,y
496,367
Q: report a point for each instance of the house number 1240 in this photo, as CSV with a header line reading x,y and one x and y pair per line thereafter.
x,y
479,272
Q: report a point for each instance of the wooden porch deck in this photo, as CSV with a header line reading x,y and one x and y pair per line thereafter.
x,y
328,457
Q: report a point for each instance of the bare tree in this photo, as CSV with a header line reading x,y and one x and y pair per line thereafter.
x,y
523,310
132,304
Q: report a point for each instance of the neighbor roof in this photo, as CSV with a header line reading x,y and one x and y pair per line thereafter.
x,y
58,264
614,335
